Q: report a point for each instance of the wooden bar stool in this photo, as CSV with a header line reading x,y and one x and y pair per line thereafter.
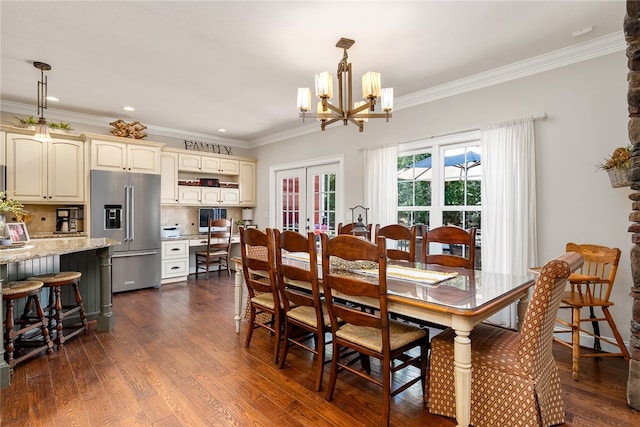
x,y
56,312
24,342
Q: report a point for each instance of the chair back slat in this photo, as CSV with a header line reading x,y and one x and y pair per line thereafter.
x,y
348,228
450,235
338,286
402,236
599,261
297,285
258,264
218,238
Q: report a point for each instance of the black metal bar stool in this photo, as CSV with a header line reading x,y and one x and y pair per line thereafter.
x,y
23,343
56,312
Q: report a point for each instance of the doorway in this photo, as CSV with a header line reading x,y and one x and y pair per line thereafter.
x,y
308,197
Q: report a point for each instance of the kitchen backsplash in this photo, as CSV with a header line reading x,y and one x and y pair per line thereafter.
x,y
187,217
42,218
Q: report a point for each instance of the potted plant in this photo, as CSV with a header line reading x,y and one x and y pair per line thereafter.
x,y
60,126
27,122
617,166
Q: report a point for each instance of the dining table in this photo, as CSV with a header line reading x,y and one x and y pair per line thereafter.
x,y
447,296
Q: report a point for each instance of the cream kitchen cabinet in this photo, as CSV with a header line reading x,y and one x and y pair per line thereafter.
x,y
210,196
123,156
175,260
3,150
247,183
169,178
188,162
51,171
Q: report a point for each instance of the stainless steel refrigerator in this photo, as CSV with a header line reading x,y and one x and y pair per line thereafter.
x,y
126,207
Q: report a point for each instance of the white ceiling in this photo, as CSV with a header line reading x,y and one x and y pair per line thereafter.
x,y
196,66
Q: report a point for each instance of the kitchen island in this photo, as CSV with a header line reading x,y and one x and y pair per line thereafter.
x,y
92,257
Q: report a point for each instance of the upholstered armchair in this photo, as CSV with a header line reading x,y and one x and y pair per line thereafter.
x,y
515,379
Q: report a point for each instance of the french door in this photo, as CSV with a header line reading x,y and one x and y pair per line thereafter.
x,y
307,198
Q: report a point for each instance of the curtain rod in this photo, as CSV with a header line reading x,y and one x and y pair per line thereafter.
x,y
540,116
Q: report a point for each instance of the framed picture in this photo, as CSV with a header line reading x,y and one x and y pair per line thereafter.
x,y
17,232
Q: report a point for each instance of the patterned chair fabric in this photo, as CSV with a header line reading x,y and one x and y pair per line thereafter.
x,y
515,378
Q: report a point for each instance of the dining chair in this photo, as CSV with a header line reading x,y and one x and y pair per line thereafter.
x,y
515,379
591,288
305,316
218,248
372,334
348,228
450,235
258,269
401,237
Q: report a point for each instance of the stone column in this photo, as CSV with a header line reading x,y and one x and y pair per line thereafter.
x,y
632,36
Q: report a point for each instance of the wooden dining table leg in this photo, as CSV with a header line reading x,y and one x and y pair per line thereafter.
x,y
462,371
238,297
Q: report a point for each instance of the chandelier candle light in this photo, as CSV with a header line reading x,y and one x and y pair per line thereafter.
x,y
347,110
42,129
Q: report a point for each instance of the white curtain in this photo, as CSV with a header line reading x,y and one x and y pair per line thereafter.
x,y
380,184
509,243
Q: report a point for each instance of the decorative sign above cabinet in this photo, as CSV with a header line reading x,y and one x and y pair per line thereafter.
x,y
207,147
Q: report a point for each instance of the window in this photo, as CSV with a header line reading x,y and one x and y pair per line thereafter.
x,y
439,182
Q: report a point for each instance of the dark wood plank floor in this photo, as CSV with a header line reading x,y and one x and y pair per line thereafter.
x,y
174,359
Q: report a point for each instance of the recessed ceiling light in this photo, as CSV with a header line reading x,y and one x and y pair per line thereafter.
x,y
52,98
128,108
582,31
222,130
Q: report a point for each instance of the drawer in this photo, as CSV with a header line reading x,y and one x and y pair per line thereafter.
x,y
198,242
175,249
175,268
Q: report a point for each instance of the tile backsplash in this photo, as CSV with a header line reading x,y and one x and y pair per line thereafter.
x,y
187,217
42,218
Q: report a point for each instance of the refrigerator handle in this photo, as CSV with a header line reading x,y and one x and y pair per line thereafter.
x,y
132,216
126,213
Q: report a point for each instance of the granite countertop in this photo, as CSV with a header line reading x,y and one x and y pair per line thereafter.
x,y
39,248
234,237
52,235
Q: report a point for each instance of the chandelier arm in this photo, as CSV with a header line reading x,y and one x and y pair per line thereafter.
x,y
334,108
357,123
335,119
363,107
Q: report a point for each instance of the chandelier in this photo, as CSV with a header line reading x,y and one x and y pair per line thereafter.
x,y
42,129
346,110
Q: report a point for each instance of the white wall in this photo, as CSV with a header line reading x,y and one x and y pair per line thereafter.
x,y
587,118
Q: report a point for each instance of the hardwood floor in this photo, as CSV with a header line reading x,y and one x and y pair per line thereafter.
x,y
174,359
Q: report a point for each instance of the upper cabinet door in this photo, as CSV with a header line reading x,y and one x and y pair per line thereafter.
x,y
229,166
189,162
45,171
168,178
143,159
66,171
247,183
107,155
26,168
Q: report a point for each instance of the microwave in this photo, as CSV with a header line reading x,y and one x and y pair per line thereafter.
x,y
206,213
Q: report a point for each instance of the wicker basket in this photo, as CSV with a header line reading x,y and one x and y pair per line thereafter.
x,y
619,177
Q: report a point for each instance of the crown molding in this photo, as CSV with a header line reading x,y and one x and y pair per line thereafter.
x,y
103,121
585,51
610,43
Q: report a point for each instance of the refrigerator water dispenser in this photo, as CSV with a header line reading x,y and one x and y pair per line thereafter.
x,y
112,217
